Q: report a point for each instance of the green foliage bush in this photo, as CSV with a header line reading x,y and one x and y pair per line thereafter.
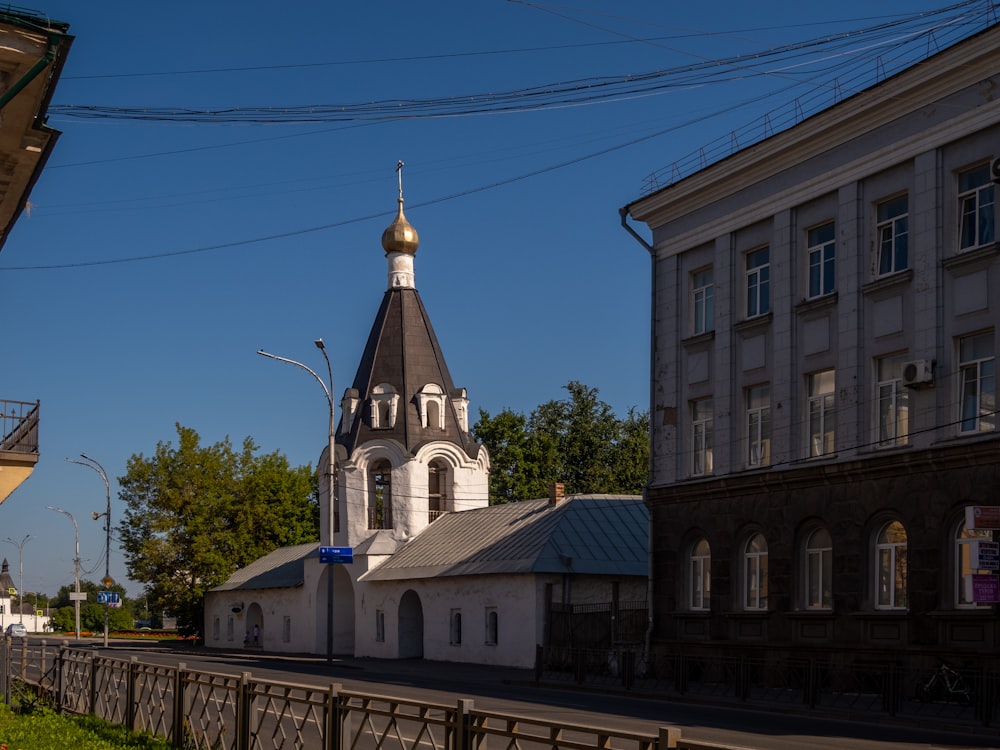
x,y
43,729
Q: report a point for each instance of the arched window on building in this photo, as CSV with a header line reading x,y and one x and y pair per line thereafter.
x,y
700,576
437,489
890,567
755,573
380,496
818,568
965,558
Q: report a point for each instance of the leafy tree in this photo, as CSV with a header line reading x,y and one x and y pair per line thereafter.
x,y
195,514
577,441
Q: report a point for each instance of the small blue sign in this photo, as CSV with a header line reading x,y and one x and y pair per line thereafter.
x,y
108,597
336,555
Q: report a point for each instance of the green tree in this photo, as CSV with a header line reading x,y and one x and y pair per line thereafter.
x,y
577,441
195,514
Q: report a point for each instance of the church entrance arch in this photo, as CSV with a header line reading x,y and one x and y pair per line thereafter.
x,y
255,624
411,626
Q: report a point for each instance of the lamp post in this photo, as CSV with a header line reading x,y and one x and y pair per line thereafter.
x,y
108,581
76,566
330,477
20,574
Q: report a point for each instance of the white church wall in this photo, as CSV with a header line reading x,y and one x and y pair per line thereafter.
x,y
287,619
512,597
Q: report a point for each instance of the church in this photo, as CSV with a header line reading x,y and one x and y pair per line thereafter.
x,y
430,570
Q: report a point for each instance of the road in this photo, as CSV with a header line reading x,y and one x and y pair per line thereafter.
x,y
514,692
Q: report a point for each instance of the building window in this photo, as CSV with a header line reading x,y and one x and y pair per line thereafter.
x,y
383,407
890,571
822,260
216,628
229,628
819,570
975,201
286,629
380,496
437,481
758,425
431,406
977,379
965,539
893,403
702,303
700,564
892,230
758,282
379,626
455,632
701,437
822,418
755,573
491,626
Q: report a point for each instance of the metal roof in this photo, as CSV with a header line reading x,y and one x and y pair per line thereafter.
x,y
582,534
280,569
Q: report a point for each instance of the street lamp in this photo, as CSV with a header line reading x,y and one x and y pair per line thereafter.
x,y
330,477
76,565
20,574
108,581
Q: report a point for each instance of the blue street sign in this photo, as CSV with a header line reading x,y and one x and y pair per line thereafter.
x,y
108,597
336,555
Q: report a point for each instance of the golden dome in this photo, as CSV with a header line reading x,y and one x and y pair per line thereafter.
x,y
400,236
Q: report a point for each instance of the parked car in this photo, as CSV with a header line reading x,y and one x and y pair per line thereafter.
x,y
17,630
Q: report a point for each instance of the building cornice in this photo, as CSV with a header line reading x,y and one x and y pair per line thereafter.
x,y
925,84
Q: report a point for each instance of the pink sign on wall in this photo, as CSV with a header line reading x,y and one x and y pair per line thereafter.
x,y
985,588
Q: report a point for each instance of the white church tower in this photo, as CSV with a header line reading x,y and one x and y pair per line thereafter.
x,y
404,454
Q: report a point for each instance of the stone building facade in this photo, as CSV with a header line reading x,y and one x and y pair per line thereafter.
x,y
825,313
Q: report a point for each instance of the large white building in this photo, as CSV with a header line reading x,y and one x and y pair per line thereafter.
x,y
436,573
826,309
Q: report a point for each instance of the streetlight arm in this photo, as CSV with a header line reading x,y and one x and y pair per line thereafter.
x,y
319,380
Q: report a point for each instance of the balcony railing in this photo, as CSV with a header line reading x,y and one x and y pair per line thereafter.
x,y
19,426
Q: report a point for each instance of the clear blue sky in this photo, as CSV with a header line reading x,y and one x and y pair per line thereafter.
x,y
528,277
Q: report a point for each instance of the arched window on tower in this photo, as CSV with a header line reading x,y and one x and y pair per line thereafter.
x,y
430,406
380,496
437,489
383,407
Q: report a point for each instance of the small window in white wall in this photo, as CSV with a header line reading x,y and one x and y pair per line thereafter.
x,y
286,629
491,626
216,628
229,628
455,631
380,626
430,406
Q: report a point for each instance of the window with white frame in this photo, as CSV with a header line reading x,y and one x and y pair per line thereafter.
x,y
820,408
455,630
491,626
890,566
822,260
977,383
701,437
819,570
755,573
758,275
758,425
965,542
384,401
700,565
977,216
380,626
380,495
892,402
892,230
702,302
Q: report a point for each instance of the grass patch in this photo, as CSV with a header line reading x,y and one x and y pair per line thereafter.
x,y
44,729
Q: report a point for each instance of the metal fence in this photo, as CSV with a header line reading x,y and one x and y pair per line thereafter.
x,y
197,710
959,694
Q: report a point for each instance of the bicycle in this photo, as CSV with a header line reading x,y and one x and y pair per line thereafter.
x,y
944,684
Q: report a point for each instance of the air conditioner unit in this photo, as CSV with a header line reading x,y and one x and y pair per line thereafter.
x,y
918,372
